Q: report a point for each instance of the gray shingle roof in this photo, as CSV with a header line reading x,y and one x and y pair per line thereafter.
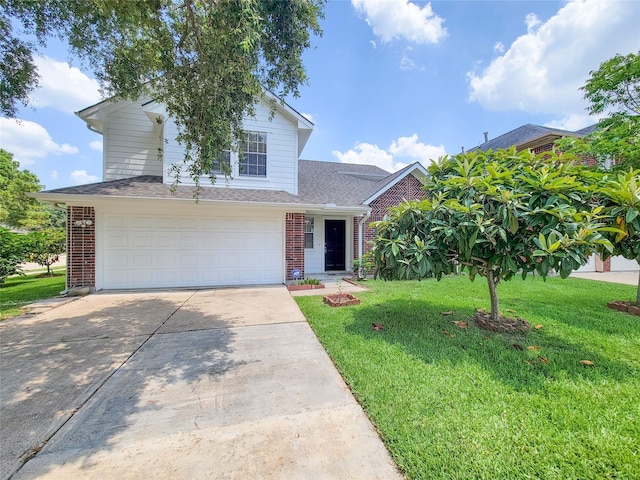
x,y
526,133
344,184
148,186
320,183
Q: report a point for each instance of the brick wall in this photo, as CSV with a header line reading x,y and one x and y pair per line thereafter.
x,y
409,188
547,147
81,247
294,243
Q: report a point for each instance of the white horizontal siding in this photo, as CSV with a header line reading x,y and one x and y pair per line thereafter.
x,y
131,143
281,154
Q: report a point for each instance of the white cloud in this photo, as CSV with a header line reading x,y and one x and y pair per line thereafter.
x,y
409,149
542,70
96,145
80,177
367,154
401,19
308,116
406,63
412,148
29,141
373,44
571,122
498,47
63,87
54,175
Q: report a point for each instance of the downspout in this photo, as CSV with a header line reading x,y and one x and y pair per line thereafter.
x,y
93,129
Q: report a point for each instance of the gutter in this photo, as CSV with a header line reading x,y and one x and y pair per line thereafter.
x,y
94,200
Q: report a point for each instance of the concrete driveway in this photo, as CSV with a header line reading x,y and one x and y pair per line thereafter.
x,y
224,383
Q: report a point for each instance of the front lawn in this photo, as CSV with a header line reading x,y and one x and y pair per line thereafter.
x,y
16,292
463,403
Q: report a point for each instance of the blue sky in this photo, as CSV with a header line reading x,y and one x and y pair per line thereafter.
x,y
390,82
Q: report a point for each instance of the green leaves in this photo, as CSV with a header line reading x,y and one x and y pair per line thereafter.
x,y
208,62
500,213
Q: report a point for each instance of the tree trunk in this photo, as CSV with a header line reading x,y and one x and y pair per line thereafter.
x,y
495,304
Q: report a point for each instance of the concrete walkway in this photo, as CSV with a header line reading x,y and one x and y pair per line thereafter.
x,y
330,286
222,384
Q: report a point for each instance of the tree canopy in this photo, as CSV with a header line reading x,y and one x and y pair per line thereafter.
x,y
495,214
207,61
17,210
613,89
620,194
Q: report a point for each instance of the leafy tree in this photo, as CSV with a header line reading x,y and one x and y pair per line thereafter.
x,y
13,252
17,210
207,61
621,195
46,246
496,214
614,89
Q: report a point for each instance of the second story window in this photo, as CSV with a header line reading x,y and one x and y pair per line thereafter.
x,y
222,165
253,160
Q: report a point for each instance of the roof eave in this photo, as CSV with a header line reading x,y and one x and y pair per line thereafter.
x,y
84,199
416,166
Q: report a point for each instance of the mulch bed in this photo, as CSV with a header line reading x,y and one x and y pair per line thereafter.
x,y
504,325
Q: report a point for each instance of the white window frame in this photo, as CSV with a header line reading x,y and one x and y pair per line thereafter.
x,y
309,222
254,152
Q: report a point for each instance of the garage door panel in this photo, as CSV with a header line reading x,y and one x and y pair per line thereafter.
x,y
146,251
116,240
621,264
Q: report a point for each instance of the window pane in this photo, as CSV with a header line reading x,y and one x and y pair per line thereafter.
x,y
223,164
308,240
254,160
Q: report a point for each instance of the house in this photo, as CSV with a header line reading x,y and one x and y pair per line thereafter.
x,y
276,218
542,139
532,137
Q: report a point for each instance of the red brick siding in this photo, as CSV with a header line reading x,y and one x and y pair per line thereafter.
x,y
294,243
607,265
81,247
409,188
548,147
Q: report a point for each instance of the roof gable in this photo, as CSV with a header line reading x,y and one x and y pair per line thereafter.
x,y
416,169
94,114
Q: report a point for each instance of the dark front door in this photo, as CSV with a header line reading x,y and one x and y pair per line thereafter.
x,y
334,245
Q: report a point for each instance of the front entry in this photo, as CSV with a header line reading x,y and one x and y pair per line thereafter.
x,y
334,245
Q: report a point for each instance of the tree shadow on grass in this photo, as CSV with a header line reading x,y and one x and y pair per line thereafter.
x,y
53,365
525,362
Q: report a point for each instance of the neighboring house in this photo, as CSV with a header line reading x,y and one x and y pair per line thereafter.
x,y
533,137
542,139
275,216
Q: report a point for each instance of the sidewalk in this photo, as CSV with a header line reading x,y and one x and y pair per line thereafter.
x,y
626,278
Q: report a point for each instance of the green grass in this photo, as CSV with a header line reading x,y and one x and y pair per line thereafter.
x,y
454,403
16,292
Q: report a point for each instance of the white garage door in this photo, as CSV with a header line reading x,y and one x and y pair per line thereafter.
x,y
590,266
150,251
621,264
